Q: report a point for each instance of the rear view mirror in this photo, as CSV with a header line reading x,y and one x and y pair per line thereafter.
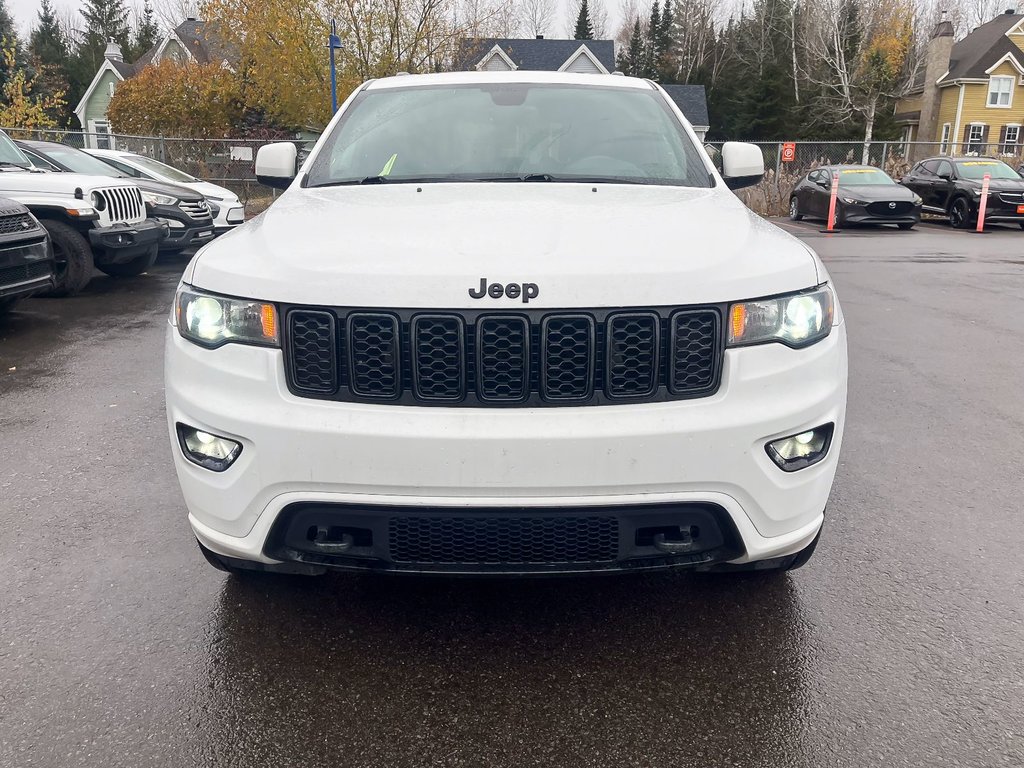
x,y
742,164
275,164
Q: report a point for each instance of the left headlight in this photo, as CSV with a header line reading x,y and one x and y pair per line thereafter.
x,y
211,321
853,201
796,320
154,199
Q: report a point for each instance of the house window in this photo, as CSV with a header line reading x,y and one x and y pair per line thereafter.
x,y
944,144
975,138
1000,91
101,138
1011,140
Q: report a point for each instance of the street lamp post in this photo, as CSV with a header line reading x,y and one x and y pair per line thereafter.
x,y
334,44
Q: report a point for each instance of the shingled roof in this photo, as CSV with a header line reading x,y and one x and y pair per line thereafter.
x,y
692,102
982,48
200,40
535,54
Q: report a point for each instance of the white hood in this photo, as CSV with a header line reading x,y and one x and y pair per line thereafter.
x,y
397,246
207,189
56,183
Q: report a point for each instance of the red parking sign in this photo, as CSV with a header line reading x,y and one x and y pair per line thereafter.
x,y
789,152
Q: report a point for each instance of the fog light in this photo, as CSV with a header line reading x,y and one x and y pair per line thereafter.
x,y
801,450
207,450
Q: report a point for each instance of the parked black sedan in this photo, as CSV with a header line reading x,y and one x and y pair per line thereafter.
x,y
185,211
866,196
951,186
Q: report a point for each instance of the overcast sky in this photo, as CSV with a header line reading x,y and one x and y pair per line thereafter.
x,y
25,13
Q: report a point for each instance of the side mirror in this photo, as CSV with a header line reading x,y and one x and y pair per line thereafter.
x,y
275,164
742,164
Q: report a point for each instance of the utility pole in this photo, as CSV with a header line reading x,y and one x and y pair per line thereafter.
x,y
334,44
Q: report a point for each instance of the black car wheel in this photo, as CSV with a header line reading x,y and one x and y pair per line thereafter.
x,y
6,305
960,213
905,226
794,210
136,266
72,259
1022,225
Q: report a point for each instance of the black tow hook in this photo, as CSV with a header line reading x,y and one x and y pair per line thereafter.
x,y
680,543
324,543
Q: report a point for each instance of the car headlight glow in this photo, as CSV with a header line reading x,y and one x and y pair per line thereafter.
x,y
154,199
211,321
796,320
853,201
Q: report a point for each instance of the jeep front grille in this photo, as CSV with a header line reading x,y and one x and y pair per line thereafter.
x,y
121,205
492,359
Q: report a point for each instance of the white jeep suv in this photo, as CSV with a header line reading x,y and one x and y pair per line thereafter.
x,y
506,323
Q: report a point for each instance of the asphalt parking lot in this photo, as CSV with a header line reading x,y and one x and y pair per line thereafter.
x,y
900,644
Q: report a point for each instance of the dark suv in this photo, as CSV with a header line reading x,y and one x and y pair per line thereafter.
x,y
185,211
26,258
952,186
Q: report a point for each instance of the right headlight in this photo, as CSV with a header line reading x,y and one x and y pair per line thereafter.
x,y
796,319
211,321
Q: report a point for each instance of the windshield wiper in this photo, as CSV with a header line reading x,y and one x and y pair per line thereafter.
x,y
381,180
9,164
553,177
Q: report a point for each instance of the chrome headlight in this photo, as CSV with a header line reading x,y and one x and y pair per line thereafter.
x,y
853,201
796,320
211,321
154,199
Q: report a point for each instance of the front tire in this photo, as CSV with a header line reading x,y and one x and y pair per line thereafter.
x,y
905,227
72,256
960,213
6,305
794,210
132,268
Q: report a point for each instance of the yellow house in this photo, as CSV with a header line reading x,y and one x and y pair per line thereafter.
x,y
970,100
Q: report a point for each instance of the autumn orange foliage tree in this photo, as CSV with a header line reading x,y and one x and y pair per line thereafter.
x,y
177,99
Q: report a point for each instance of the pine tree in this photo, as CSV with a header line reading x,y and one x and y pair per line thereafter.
x,y
10,42
584,29
634,57
146,34
653,43
665,39
46,43
105,20
7,29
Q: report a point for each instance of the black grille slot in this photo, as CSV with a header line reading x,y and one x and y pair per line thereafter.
x,y
503,358
311,340
890,209
694,346
503,540
438,369
24,273
20,222
373,352
631,361
567,357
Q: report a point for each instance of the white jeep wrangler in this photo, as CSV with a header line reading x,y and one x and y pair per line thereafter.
x,y
92,220
506,323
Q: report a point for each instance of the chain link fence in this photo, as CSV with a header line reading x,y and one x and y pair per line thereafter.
x,y
784,169
231,162
227,162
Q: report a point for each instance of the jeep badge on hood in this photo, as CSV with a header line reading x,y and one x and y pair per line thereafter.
x,y
512,290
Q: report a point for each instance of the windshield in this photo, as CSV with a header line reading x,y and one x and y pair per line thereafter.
x,y
509,131
78,161
849,177
10,154
976,169
164,171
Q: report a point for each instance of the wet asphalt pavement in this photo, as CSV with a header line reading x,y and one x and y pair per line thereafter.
x,y
900,644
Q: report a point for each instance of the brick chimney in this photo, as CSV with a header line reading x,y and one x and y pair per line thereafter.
x,y
940,46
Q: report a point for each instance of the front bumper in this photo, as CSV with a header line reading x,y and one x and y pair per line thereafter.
x,y
859,214
997,210
123,242
25,268
227,216
370,459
